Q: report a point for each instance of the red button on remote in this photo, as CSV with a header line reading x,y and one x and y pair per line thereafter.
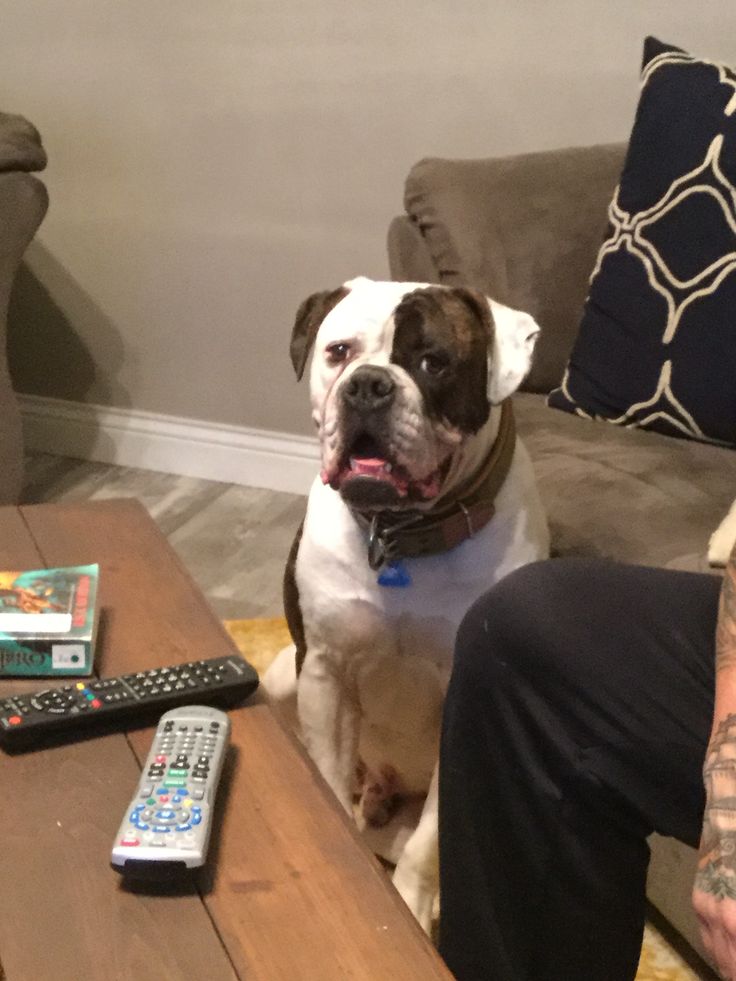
x,y
95,703
15,720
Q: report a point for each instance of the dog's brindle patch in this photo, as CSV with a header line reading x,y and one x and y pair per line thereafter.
x,y
441,340
292,608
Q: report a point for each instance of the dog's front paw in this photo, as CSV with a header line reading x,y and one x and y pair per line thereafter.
x,y
380,797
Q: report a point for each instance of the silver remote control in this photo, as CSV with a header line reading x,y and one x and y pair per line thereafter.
x,y
166,828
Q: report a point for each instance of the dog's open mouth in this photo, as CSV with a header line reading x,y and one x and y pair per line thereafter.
x,y
366,476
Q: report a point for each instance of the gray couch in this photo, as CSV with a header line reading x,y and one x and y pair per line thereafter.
x,y
23,204
526,230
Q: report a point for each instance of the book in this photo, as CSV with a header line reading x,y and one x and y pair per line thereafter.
x,y
40,651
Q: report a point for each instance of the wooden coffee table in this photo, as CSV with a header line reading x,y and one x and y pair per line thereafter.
x,y
290,892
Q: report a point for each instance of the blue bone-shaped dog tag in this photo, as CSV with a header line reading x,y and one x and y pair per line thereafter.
x,y
394,574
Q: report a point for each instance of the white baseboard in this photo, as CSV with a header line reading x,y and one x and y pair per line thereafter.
x,y
170,444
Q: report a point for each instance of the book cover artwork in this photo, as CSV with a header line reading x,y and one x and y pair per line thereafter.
x,y
37,599
48,621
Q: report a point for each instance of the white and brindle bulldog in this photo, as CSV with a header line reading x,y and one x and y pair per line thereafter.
x,y
425,499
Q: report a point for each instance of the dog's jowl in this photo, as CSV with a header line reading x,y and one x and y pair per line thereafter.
x,y
425,498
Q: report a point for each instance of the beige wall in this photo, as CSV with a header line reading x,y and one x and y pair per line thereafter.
x,y
212,162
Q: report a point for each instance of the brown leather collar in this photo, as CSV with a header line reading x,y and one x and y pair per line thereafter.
x,y
393,536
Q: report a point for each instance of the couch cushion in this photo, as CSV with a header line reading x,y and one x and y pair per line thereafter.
x,y
524,230
657,348
633,496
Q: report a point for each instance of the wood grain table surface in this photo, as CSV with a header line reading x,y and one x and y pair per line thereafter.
x,y
290,891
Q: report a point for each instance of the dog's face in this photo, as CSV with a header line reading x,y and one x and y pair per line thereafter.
x,y
403,375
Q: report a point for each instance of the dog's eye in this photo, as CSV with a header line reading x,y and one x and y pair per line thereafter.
x,y
433,364
337,353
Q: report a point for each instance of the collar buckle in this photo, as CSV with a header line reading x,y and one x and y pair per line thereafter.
x,y
379,549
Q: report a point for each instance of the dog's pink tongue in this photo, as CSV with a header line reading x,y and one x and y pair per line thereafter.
x,y
367,466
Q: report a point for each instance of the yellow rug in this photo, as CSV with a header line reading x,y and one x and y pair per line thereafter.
x,y
260,640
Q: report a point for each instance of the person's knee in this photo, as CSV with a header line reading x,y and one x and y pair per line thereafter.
x,y
502,621
520,623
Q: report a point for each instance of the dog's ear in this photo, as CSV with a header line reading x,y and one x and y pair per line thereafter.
x,y
309,316
510,354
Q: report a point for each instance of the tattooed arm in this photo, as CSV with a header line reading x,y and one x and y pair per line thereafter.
x,y
714,894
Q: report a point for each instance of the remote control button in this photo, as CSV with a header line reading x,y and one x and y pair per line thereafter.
x,y
183,827
129,842
158,842
161,829
196,818
165,814
146,791
15,720
142,827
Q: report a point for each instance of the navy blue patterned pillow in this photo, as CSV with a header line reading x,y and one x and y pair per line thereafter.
x,y
657,342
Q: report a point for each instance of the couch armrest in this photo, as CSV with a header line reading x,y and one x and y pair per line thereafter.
x,y
409,258
23,204
523,229
20,144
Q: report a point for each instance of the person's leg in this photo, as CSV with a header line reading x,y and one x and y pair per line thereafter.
x,y
576,722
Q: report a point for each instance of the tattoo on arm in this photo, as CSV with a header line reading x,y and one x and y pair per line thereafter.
x,y
716,873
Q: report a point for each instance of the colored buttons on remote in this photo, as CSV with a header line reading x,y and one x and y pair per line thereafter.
x,y
127,700
171,810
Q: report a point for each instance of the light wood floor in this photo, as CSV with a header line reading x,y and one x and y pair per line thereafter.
x,y
233,540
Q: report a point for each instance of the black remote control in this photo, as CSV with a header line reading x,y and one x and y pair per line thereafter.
x,y
125,702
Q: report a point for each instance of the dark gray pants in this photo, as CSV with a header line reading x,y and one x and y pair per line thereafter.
x,y
576,723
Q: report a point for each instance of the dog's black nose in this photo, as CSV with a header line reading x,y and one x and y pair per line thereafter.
x,y
369,388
